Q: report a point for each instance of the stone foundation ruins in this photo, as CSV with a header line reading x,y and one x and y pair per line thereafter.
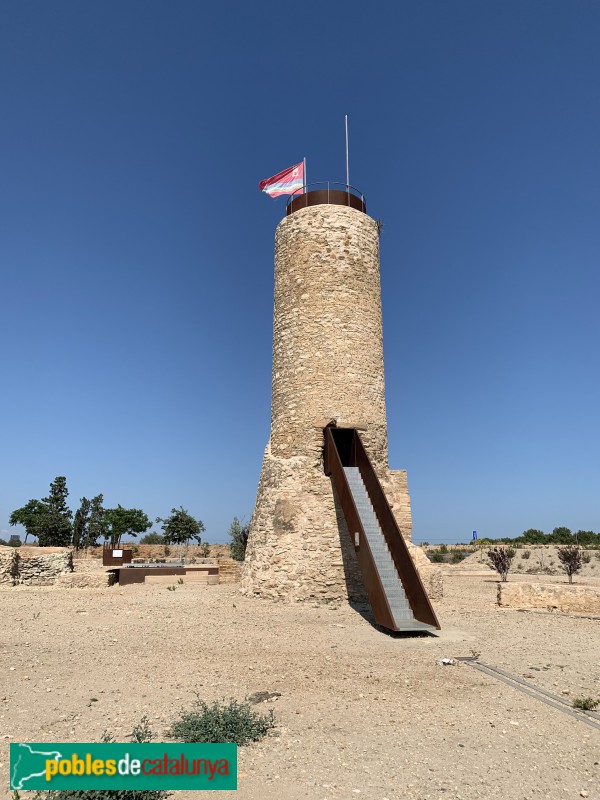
x,y
34,566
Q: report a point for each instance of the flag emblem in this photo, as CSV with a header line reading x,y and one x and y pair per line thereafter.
x,y
286,182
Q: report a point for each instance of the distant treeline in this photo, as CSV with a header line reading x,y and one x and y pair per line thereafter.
x,y
558,536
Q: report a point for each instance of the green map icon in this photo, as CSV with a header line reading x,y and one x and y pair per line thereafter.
x,y
28,761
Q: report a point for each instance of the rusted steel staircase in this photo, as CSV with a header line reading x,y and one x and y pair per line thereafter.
x,y
396,592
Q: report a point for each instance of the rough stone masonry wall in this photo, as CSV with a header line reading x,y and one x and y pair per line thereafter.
x,y
327,364
327,332
564,597
35,566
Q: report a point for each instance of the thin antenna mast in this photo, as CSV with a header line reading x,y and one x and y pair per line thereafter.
x,y
347,163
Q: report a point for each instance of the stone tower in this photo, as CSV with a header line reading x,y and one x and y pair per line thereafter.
x,y
327,367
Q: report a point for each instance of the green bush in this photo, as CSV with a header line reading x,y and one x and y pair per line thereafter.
x,y
235,722
205,550
443,548
526,554
586,703
152,538
457,556
437,558
141,733
239,539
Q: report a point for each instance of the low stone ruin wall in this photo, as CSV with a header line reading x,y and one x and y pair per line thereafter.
x,y
152,551
559,596
8,566
34,566
230,571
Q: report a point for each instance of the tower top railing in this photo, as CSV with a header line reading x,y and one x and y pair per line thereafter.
x,y
326,193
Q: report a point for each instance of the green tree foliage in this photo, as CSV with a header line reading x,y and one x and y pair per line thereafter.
x,y
96,527
120,522
239,539
57,526
533,536
31,516
180,527
561,536
49,519
501,559
80,523
152,538
570,560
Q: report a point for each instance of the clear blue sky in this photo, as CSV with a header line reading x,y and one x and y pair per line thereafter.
x,y
136,251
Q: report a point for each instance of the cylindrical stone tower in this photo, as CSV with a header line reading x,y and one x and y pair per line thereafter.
x,y
327,341
327,367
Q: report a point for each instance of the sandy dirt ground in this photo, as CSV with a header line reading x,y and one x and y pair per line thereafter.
x,y
362,714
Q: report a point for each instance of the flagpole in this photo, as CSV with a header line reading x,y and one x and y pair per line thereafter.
x,y
347,162
304,175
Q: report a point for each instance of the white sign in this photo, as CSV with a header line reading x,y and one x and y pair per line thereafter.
x,y
117,554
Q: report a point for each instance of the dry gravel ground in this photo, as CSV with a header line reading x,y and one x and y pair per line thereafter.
x,y
361,714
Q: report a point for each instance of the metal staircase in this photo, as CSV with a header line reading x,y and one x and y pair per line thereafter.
x,y
396,592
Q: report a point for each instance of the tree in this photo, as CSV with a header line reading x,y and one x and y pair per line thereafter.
x,y
561,536
180,527
31,516
80,523
152,538
120,522
570,560
501,559
48,519
239,539
57,529
96,527
533,536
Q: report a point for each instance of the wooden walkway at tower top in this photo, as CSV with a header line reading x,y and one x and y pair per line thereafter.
x,y
396,593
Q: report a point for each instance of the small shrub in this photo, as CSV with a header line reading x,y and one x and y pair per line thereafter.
x,y
235,722
586,703
570,560
205,550
180,581
239,539
501,559
171,588
457,556
586,557
597,555
526,554
152,538
437,558
15,541
167,551
443,548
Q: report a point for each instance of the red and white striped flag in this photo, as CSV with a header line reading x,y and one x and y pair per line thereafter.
x,y
286,182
